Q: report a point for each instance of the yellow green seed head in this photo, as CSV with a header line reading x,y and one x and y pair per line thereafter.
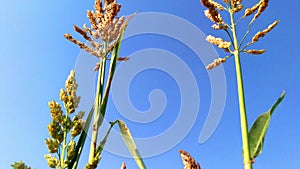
x,y
71,150
20,165
54,129
52,161
77,127
52,145
55,110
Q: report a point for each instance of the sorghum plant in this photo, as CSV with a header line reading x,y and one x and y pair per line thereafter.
x,y
252,139
103,38
59,142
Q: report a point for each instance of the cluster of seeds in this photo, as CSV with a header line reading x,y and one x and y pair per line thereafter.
x,y
256,52
215,63
233,6
123,166
261,34
61,123
105,27
218,41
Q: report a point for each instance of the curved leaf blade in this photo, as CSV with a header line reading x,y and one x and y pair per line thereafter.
x,y
259,128
130,144
102,143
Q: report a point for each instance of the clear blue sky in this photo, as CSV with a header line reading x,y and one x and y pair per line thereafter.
x,y
35,60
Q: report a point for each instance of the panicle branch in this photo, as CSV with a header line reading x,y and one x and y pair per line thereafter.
x,y
261,34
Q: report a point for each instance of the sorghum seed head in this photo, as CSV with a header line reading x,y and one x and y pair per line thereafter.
x,y
219,26
67,123
78,126
263,5
123,166
218,41
238,8
55,110
256,52
71,150
235,3
261,34
52,145
188,161
93,164
91,17
63,95
211,4
216,5
104,25
213,15
98,6
52,161
69,96
251,10
215,63
20,165
82,32
54,129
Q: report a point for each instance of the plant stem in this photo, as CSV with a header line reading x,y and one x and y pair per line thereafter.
x,y
64,145
62,158
97,112
241,98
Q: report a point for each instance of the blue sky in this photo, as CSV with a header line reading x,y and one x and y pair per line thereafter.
x,y
36,59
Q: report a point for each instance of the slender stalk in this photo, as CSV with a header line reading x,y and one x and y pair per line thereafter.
x,y
231,40
97,110
241,98
248,31
64,146
62,158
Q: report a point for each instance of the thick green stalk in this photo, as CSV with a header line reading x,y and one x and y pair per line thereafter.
x,y
243,115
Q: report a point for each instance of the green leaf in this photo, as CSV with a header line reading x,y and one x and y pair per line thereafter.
x,y
74,162
259,128
129,142
102,143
